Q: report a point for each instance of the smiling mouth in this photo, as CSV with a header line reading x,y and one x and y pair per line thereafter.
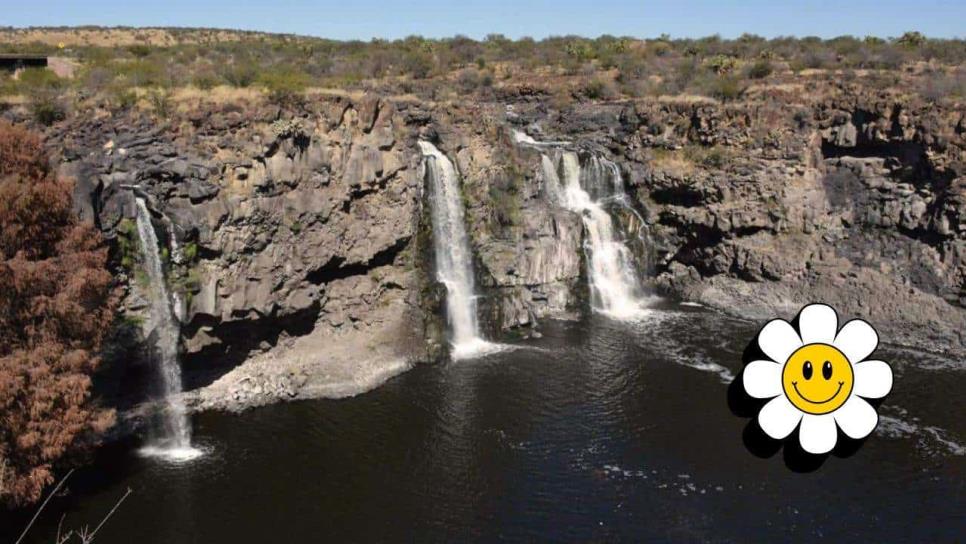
x,y
806,399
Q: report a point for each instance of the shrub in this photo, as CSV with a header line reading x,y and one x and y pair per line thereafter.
x,y
721,64
722,87
37,79
284,84
709,157
911,39
46,110
124,98
598,89
139,50
160,102
469,79
418,64
56,303
204,81
760,69
240,74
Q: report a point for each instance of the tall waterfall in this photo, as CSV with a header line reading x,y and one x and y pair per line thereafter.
x,y
454,261
174,440
614,286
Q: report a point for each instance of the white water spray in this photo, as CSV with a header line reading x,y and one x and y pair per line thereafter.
x,y
610,265
174,441
454,262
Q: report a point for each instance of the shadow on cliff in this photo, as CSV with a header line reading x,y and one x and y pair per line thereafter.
x,y
236,341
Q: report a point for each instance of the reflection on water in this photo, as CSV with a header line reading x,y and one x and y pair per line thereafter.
x,y
600,430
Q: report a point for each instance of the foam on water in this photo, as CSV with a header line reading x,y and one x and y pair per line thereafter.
x,y
172,454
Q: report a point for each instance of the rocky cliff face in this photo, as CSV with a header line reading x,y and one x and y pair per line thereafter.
x,y
290,233
300,249
854,198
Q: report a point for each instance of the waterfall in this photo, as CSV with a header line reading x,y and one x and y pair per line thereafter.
x,y
454,261
610,265
174,441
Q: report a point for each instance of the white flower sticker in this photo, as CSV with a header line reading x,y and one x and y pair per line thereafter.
x,y
817,378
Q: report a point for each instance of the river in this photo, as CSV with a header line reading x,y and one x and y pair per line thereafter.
x,y
601,430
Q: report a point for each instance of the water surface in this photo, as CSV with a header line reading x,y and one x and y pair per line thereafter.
x,y
599,431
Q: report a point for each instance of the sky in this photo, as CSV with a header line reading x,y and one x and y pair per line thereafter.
x,y
366,19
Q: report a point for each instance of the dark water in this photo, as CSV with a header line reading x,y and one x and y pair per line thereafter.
x,y
599,431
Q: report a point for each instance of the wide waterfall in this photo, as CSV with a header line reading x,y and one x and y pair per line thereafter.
x,y
615,290
174,439
454,261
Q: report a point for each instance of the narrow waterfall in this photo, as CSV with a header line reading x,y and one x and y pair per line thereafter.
x,y
454,261
174,440
614,286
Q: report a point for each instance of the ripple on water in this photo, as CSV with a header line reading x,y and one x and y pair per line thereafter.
x,y
930,439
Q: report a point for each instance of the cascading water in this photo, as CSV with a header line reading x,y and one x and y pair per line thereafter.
x,y
454,264
610,265
174,440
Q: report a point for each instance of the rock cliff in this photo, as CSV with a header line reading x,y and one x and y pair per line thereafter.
x,y
299,243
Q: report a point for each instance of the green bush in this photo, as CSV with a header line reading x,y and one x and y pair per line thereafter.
x,y
418,64
139,50
760,69
598,89
721,64
143,73
240,74
36,79
46,110
284,84
190,252
911,39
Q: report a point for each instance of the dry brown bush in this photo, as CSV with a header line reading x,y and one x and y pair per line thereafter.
x,y
56,304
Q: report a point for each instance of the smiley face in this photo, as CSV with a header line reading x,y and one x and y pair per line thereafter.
x,y
817,378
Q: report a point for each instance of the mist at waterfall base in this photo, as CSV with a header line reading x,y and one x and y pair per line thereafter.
x,y
171,438
601,430
454,260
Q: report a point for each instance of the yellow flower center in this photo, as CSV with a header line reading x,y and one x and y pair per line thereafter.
x,y
817,378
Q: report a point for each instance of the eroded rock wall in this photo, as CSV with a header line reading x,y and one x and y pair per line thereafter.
x,y
278,223
855,199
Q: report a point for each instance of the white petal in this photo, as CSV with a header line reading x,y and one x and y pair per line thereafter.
x,y
817,324
818,433
778,418
763,379
856,418
778,340
873,379
857,340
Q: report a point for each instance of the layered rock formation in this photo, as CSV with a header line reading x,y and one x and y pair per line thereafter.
x,y
854,199
280,225
299,239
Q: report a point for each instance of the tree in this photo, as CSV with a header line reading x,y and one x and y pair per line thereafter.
x,y
56,304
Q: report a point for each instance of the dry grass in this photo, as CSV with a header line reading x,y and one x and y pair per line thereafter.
x,y
674,162
118,37
220,95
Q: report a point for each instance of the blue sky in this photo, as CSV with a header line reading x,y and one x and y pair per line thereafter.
x,y
365,19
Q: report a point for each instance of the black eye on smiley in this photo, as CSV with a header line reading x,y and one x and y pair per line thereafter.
x,y
807,370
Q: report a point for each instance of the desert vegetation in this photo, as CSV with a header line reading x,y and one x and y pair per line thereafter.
x,y
123,68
